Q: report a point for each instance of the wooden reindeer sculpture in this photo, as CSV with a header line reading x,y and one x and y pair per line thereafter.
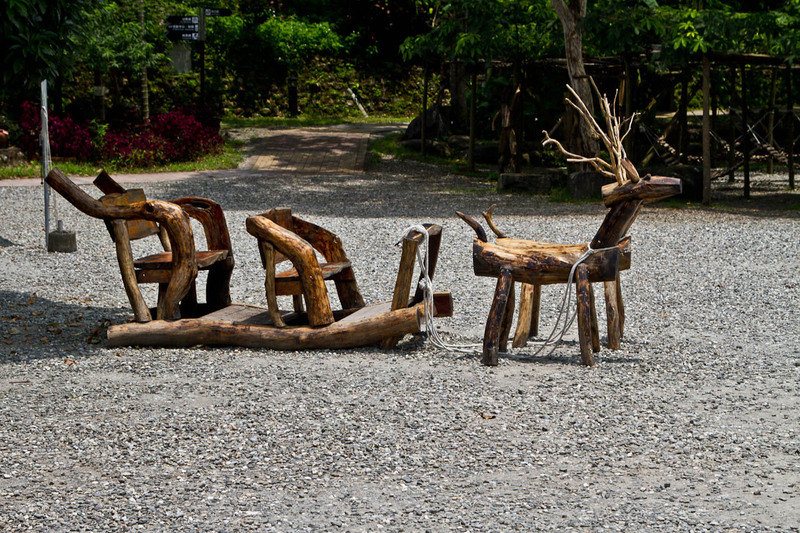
x,y
538,263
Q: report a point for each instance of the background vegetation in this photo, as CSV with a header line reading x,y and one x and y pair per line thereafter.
x,y
115,94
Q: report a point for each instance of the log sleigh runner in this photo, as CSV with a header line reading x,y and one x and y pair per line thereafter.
x,y
534,264
311,324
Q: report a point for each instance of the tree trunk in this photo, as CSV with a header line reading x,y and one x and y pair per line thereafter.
x,y
571,16
473,96
458,96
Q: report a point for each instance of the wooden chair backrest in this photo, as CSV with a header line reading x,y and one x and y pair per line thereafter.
x,y
328,244
137,229
625,202
116,194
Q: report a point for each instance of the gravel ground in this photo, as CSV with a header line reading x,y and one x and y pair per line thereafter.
x,y
691,426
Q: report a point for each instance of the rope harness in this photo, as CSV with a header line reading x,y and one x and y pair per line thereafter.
x,y
426,284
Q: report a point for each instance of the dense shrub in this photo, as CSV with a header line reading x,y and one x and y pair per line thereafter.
x,y
173,136
67,138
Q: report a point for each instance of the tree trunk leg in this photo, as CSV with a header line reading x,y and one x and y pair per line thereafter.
x,y
525,316
122,242
491,336
269,285
612,315
508,317
537,298
595,329
584,314
188,305
297,303
620,308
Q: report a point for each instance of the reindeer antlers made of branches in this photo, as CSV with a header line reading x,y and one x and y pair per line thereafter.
x,y
618,166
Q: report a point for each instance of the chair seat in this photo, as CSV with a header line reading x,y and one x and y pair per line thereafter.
x,y
328,271
163,260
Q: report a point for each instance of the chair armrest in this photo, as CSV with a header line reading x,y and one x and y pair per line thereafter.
x,y
302,256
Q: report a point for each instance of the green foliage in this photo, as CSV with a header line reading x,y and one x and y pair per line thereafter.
x,y
474,31
677,30
37,40
113,39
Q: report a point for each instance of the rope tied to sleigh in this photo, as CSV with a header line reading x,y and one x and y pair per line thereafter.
x,y
426,284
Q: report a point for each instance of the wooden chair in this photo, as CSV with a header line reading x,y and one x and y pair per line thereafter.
x,y
305,280
536,263
129,216
289,238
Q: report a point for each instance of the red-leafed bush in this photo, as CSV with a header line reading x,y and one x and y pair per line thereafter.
x,y
67,138
173,136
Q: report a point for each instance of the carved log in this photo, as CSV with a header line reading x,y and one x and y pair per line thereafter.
x,y
594,329
537,298
508,316
215,227
525,318
331,248
491,336
402,285
541,263
648,189
141,311
269,284
184,270
366,326
434,244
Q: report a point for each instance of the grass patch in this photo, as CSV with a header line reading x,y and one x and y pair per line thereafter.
x,y
230,157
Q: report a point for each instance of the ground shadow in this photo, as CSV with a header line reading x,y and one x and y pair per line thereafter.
x,y
32,327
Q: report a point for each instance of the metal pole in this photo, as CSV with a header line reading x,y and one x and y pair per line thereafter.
x,y
706,130
45,143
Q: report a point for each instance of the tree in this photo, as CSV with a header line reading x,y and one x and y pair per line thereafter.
x,y
37,39
571,14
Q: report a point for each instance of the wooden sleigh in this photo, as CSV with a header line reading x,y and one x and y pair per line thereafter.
x,y
181,321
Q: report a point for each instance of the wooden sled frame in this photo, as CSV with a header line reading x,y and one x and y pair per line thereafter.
x,y
250,326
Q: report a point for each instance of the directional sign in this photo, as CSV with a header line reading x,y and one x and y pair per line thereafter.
x,y
180,35
184,28
181,19
212,12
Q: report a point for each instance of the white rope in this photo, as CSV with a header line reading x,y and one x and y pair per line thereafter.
x,y
426,284
565,301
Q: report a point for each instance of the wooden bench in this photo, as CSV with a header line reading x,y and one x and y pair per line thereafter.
x,y
129,216
539,263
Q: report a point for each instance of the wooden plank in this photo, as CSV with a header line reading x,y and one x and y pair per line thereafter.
x,y
163,260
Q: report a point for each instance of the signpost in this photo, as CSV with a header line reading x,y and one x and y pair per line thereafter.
x,y
193,28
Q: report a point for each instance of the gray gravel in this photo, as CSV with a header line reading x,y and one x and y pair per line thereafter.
x,y
692,426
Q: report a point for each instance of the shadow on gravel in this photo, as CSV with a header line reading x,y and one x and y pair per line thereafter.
x,y
367,195
410,189
37,328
